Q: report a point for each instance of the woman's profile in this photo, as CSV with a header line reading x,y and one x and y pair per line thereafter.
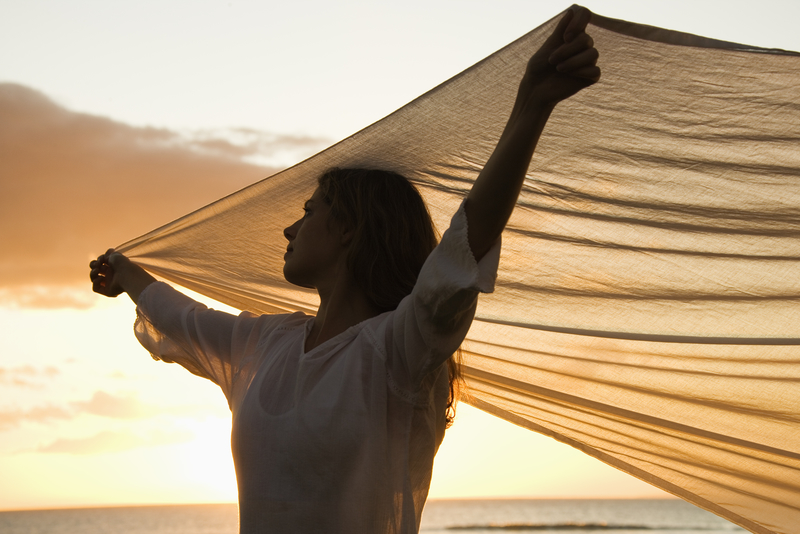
x,y
337,417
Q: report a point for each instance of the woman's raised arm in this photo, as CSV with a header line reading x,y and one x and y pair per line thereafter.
x,y
565,64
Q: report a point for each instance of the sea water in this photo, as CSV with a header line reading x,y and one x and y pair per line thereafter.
x,y
474,516
651,516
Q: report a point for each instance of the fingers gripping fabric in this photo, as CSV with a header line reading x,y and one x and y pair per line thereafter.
x,y
647,308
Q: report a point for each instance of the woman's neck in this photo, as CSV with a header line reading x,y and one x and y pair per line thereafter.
x,y
341,306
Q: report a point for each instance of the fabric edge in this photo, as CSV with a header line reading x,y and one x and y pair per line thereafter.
x,y
239,300
678,38
131,244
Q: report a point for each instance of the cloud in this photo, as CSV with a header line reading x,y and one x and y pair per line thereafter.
x,y
110,441
25,376
72,185
115,407
254,146
42,414
111,406
102,404
46,296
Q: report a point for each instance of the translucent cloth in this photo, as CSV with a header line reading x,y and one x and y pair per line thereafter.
x,y
646,309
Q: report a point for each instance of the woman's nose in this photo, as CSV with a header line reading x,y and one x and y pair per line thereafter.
x,y
291,231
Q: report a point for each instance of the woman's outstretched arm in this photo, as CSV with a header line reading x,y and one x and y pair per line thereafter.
x,y
112,274
565,64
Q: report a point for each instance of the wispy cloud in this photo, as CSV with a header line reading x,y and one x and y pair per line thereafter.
x,y
26,375
111,441
41,414
72,185
254,146
101,404
115,407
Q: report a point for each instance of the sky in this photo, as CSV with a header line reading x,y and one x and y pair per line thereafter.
x,y
118,117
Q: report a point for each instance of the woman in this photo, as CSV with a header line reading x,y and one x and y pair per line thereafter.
x,y
337,417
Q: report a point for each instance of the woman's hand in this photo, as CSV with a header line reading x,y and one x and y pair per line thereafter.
x,y
113,273
103,274
565,64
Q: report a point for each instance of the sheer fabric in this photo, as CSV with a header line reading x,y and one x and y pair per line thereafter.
x,y
646,309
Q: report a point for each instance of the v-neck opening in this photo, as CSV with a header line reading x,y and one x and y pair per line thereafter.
x,y
307,330
351,330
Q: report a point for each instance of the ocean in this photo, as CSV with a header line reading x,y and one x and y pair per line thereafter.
x,y
474,516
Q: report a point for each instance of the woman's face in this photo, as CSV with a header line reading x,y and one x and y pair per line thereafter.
x,y
316,245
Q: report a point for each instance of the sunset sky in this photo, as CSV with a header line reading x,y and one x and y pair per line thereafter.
x,y
117,117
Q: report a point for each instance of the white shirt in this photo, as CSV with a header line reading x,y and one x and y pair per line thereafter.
x,y
340,438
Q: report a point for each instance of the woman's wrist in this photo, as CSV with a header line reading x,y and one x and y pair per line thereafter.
x,y
530,114
132,278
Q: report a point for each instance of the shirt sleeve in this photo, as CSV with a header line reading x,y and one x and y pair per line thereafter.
x,y
177,329
431,323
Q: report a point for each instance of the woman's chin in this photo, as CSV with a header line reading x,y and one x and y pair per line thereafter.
x,y
294,279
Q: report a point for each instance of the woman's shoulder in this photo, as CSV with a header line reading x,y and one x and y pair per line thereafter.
x,y
278,321
376,331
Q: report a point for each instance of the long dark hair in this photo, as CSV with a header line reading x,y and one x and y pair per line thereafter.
x,y
393,234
